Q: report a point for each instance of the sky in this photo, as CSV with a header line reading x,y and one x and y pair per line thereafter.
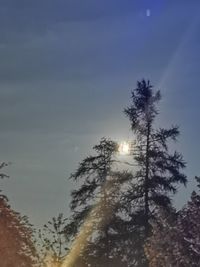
x,y
67,69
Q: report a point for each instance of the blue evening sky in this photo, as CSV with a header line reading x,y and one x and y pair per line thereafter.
x,y
66,71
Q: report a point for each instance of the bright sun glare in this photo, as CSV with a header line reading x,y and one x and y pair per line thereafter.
x,y
124,148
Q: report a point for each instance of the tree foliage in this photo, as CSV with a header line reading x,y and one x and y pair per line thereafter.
x,y
95,204
129,201
175,240
16,243
16,235
159,171
52,243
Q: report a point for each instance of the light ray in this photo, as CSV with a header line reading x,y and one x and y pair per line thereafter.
x,y
179,50
103,207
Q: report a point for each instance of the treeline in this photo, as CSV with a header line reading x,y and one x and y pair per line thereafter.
x,y
121,216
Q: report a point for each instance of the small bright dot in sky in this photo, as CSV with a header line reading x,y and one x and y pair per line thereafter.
x,y
148,12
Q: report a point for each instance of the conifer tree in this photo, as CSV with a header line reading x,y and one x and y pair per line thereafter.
x,y
134,198
94,206
158,171
176,238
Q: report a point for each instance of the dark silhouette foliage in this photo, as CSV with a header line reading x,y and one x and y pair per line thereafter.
x,y
52,243
158,170
129,201
175,239
16,238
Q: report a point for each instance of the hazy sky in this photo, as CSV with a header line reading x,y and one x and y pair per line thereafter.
x,y
66,71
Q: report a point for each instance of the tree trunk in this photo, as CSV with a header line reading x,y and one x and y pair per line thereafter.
x,y
146,183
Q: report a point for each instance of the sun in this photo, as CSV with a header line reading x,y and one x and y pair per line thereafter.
x,y
124,148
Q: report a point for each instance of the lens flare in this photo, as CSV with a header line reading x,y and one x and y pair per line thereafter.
x,y
99,216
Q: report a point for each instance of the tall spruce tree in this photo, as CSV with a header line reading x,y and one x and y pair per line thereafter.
x,y
158,170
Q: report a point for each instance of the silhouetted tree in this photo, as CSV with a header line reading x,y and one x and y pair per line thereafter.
x,y
52,242
16,238
158,170
94,206
134,199
16,235
3,175
175,239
